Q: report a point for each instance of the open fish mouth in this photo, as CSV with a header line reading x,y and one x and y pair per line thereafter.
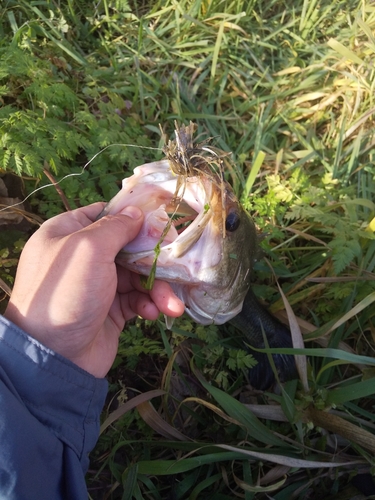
x,y
195,233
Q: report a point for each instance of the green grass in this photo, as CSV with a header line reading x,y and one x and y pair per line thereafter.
x,y
288,88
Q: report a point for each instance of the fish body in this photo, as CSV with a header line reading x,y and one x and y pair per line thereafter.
x,y
255,323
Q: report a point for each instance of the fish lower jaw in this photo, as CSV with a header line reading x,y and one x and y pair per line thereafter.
x,y
205,309
143,264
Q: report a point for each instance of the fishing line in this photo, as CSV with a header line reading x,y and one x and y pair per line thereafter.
x,y
77,174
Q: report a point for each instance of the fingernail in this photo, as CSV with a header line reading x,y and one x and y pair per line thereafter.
x,y
132,212
176,306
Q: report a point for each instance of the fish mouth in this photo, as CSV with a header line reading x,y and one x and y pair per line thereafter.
x,y
174,229
182,216
180,223
189,227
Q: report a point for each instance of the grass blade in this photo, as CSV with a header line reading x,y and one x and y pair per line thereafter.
x,y
129,405
158,424
351,392
216,52
297,339
344,51
254,172
287,460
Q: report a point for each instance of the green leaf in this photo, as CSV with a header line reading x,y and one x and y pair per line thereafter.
x,y
169,467
254,172
344,51
129,481
351,392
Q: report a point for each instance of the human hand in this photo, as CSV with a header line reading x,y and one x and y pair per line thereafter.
x,y
71,296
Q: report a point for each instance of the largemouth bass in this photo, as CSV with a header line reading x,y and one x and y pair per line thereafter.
x,y
195,235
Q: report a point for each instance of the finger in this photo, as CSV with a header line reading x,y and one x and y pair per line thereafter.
x,y
162,293
166,300
71,222
138,304
103,239
114,232
91,211
129,280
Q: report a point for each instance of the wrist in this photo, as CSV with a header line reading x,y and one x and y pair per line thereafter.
x,y
81,349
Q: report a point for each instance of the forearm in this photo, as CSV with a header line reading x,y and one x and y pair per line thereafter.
x,y
49,419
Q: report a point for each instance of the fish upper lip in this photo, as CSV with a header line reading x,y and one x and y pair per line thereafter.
x,y
182,243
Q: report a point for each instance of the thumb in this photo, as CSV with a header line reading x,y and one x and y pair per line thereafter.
x,y
112,232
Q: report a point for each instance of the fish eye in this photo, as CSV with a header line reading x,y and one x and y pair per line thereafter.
x,y
232,222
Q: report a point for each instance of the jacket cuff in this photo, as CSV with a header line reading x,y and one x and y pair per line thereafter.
x,y
62,396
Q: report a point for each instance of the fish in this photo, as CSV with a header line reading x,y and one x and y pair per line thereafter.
x,y
195,235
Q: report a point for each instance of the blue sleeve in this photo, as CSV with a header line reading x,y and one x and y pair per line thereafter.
x,y
49,420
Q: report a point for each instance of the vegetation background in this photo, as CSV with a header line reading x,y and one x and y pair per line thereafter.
x,y
288,87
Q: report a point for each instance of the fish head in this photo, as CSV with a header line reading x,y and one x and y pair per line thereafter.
x,y
195,235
